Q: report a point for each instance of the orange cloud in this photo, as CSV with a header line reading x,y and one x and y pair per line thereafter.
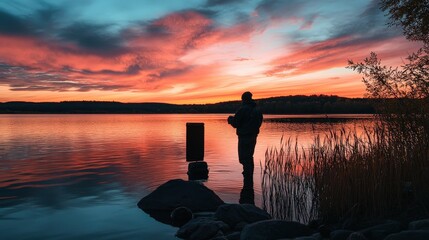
x,y
334,53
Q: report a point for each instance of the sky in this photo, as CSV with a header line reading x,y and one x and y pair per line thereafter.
x,y
193,51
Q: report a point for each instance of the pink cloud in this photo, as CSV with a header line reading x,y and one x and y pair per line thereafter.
x,y
334,53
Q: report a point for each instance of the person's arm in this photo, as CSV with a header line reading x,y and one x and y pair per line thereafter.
x,y
236,119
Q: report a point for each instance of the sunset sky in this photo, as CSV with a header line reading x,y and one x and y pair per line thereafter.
x,y
188,51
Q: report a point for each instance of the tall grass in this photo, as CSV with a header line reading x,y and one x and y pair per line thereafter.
x,y
355,175
376,174
287,181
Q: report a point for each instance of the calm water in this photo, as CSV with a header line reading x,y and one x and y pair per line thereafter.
x,y
80,176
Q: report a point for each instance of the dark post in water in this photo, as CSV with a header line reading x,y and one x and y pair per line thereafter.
x,y
197,169
194,142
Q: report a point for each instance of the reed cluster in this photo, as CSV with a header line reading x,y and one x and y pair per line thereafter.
x,y
288,183
379,172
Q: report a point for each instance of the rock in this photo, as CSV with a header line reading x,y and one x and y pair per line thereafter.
x,y
340,234
419,225
315,223
381,231
222,237
317,236
232,214
239,226
179,193
204,214
198,170
305,238
180,216
161,216
357,236
234,236
409,235
324,231
357,224
274,229
202,228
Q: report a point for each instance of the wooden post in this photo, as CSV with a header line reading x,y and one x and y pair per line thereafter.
x,y
197,168
194,142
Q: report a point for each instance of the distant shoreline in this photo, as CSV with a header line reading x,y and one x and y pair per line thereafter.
x,y
299,104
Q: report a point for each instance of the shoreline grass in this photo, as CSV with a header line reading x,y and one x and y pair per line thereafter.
x,y
379,173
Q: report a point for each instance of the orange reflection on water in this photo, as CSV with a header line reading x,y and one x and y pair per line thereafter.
x,y
85,154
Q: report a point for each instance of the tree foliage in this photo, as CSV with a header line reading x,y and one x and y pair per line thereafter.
x,y
410,80
411,15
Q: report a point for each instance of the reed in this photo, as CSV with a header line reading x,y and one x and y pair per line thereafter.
x,y
288,183
378,173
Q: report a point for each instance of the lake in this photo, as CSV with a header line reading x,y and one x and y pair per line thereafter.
x,y
81,176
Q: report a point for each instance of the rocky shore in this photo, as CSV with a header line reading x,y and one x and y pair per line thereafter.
x,y
200,214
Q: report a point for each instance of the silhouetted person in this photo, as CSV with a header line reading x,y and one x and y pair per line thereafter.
x,y
247,120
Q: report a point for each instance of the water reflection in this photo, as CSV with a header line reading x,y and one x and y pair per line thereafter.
x,y
85,154
66,165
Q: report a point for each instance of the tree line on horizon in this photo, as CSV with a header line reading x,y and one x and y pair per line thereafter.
x,y
297,104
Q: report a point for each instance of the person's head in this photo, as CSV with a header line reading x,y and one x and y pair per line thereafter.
x,y
246,97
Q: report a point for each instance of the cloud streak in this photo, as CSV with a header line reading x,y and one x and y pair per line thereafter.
x,y
21,78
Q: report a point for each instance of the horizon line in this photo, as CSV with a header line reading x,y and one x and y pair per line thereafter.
x,y
238,100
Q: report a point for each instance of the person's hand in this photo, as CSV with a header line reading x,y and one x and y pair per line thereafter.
x,y
230,119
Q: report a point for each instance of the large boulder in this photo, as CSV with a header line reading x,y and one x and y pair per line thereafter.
x,y
381,231
232,214
233,236
419,225
202,228
306,238
409,235
179,193
340,234
180,216
357,236
274,229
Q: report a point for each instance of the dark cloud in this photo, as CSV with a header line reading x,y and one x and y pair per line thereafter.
x,y
130,70
41,23
23,78
157,30
211,3
168,73
93,39
279,9
13,25
45,25
371,23
192,42
46,21
206,12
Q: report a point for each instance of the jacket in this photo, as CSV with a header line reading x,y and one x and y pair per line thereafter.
x,y
247,120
